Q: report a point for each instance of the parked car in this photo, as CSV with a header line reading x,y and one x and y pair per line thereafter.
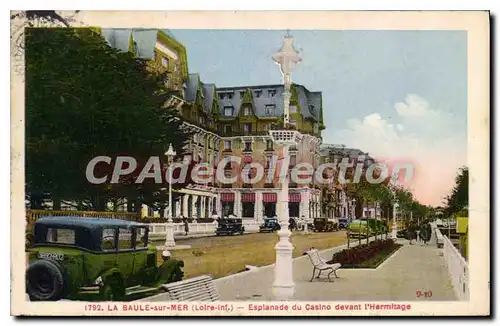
x,y
323,224
343,223
230,226
269,225
104,259
359,228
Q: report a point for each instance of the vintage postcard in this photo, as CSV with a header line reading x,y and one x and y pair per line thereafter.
x,y
250,163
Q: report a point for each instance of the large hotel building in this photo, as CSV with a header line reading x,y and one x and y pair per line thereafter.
x,y
235,121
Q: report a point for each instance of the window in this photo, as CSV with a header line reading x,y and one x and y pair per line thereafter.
x,y
165,80
247,128
230,95
293,160
125,239
272,92
258,94
269,109
62,236
269,144
108,239
246,111
228,111
164,62
221,96
269,158
311,108
228,130
141,238
227,145
248,146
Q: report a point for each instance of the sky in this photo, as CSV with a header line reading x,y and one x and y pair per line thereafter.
x,y
398,95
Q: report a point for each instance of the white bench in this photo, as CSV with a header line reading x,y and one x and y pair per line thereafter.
x,y
200,288
321,265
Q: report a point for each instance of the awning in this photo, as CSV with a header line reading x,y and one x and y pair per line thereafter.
x,y
269,197
294,197
248,197
227,197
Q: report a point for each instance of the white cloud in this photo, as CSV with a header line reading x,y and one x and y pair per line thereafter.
x,y
425,136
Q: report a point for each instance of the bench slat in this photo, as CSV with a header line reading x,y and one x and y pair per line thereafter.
x,y
199,288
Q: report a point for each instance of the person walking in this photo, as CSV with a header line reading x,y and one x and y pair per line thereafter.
x,y
186,226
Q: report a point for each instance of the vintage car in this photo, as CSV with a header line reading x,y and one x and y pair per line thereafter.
x,y
270,225
96,259
363,228
323,224
230,226
343,223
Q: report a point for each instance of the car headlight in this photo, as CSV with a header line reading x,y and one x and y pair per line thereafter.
x,y
99,281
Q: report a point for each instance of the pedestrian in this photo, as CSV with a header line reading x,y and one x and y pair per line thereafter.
x,y
186,226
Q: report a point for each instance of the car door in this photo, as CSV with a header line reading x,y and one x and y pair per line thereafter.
x,y
125,255
140,251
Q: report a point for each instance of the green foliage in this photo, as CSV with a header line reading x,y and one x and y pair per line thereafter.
x,y
458,200
85,99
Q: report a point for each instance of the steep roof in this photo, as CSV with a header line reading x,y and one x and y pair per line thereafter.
x,y
310,102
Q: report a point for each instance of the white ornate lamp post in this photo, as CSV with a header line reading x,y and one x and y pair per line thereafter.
x,y
394,219
353,213
283,287
169,240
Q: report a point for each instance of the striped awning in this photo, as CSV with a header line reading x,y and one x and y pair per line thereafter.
x,y
294,197
227,197
248,197
269,197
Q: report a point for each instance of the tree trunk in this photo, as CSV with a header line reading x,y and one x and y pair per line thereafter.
x,y
130,205
56,203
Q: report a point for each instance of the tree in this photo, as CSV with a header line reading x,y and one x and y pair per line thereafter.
x,y
85,99
458,200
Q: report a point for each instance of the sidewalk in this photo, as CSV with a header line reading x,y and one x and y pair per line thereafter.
x,y
412,268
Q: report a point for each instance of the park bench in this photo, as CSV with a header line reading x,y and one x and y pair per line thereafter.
x,y
321,265
201,288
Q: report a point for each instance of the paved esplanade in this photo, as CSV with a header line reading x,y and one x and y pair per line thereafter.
x,y
412,268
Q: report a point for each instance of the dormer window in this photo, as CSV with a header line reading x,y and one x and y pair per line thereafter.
x,y
230,95
246,111
269,109
228,111
258,94
221,96
272,93
311,108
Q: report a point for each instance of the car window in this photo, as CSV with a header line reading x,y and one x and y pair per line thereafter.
x,y
141,239
124,238
62,236
108,239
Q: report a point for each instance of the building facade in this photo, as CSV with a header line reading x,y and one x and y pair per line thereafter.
x,y
232,121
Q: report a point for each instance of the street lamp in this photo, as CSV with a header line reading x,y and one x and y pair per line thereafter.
x,y
169,239
283,287
353,214
394,220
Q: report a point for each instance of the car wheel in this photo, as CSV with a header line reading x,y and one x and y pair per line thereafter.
x,y
44,281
